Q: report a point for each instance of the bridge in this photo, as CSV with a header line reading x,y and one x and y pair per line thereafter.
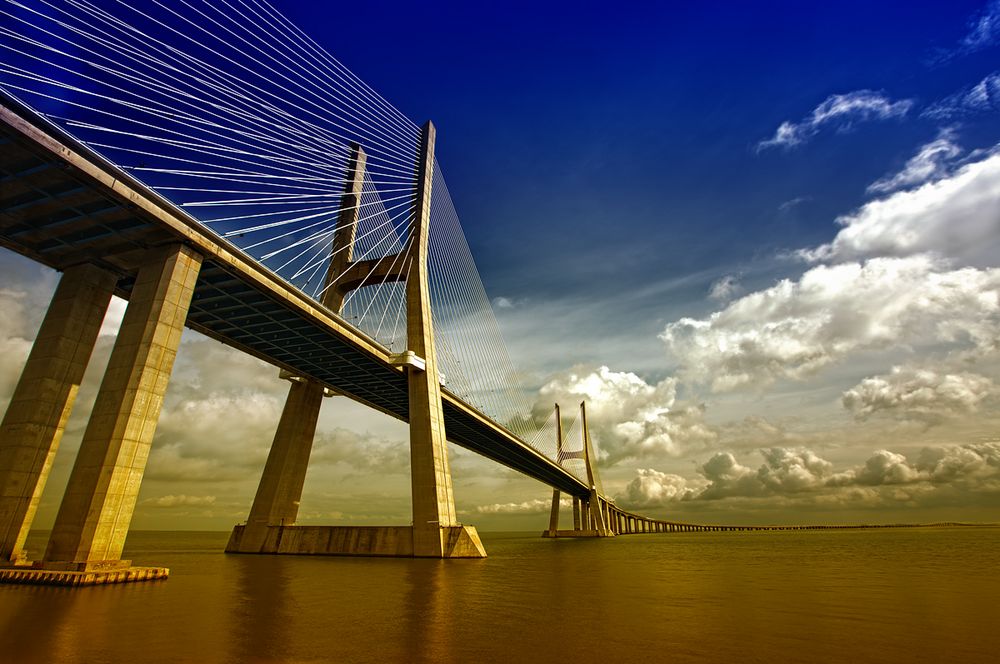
x,y
254,190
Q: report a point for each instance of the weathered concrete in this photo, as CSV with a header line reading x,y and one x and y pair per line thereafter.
x,y
430,472
280,490
397,541
36,417
577,532
554,512
276,502
435,524
44,577
96,510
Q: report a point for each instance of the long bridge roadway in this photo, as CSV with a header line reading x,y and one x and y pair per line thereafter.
x,y
62,204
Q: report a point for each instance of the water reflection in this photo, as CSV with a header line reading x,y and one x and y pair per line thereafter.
x,y
259,619
50,607
428,617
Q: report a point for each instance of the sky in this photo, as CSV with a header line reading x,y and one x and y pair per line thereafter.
x,y
760,239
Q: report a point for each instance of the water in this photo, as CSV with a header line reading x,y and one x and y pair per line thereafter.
x,y
928,595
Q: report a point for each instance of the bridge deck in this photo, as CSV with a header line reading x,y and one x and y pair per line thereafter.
x,y
62,204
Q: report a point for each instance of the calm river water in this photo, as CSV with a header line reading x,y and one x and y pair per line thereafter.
x,y
908,595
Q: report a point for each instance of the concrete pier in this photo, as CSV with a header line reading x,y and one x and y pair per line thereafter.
x,y
96,510
389,541
36,417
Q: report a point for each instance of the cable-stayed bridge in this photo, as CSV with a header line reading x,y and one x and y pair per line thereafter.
x,y
216,167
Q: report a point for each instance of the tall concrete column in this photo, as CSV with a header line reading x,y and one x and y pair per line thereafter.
x,y
554,513
44,396
280,490
276,502
430,473
576,514
96,511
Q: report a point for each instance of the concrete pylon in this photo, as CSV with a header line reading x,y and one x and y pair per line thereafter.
x,y
435,527
590,514
554,514
595,518
36,417
435,531
279,493
96,510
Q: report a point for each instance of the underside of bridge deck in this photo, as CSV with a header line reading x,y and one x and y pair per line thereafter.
x,y
63,205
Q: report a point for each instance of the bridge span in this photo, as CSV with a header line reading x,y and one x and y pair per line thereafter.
x,y
320,197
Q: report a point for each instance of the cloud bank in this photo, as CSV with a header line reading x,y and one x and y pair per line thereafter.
x,y
797,327
801,474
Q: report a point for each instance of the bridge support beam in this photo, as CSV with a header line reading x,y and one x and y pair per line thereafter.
x,y
36,417
96,510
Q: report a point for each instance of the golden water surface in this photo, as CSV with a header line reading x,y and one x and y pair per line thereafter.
x,y
906,595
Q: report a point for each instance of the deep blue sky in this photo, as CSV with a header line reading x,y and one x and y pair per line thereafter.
x,y
607,147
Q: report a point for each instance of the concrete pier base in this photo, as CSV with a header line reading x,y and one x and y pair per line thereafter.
x,y
391,541
574,533
94,577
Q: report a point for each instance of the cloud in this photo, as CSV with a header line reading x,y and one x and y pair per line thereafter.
x,y
923,395
113,318
15,338
503,303
755,432
802,476
361,451
983,32
983,97
628,417
651,488
984,29
882,468
793,203
930,163
841,111
784,471
957,217
725,288
221,436
795,328
179,501
527,507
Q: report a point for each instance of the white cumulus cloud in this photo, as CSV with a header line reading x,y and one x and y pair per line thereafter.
x,y
799,474
651,488
628,417
797,327
924,395
957,217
